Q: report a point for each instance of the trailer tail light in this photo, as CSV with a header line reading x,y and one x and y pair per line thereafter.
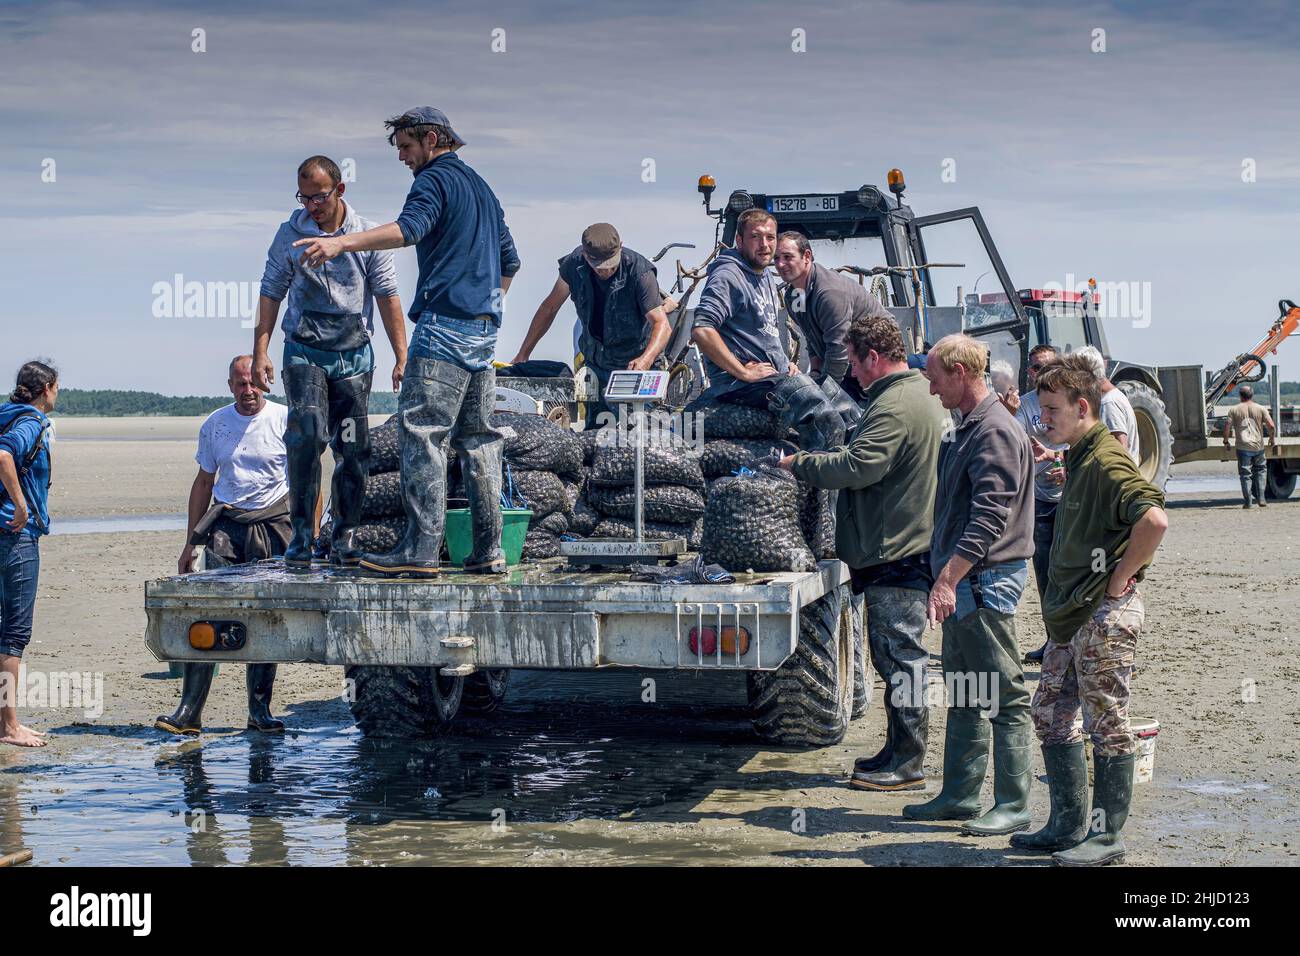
x,y
217,635
709,642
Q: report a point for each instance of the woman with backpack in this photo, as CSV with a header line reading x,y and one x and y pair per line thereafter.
x,y
24,517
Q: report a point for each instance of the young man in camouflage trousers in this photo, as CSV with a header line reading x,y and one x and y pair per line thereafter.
x,y
1108,525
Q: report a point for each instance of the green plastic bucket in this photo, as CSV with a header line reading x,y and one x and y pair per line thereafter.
x,y
460,536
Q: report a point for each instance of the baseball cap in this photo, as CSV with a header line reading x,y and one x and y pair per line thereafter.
x,y
601,246
422,115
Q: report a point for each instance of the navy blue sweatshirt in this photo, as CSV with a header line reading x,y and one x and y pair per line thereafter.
x,y
461,241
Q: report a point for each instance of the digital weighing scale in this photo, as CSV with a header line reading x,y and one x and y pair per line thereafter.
x,y
635,389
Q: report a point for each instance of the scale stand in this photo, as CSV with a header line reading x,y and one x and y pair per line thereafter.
x,y
636,390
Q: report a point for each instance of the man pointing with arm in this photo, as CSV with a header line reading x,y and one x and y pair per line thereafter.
x,y
467,258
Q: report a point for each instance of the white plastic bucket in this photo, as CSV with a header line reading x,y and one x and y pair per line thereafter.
x,y
1145,729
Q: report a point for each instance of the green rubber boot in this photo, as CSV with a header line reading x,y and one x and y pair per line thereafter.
x,y
1067,783
965,758
1010,812
1112,791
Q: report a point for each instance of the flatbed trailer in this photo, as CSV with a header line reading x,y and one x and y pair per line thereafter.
x,y
455,638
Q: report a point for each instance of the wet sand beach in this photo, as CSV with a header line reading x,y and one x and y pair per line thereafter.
x,y
576,768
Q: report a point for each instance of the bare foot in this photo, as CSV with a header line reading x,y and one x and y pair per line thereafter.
x,y
24,737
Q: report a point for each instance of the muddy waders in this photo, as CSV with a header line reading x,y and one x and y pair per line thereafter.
x,y
440,400
965,759
195,685
1067,784
325,412
1112,792
895,621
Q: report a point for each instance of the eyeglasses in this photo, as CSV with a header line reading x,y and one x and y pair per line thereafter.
x,y
315,200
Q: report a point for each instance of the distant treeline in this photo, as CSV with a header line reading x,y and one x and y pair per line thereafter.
x,y
111,403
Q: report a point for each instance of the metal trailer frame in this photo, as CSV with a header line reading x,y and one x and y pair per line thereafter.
x,y
542,615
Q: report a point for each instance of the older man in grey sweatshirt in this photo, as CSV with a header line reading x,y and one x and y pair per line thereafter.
x,y
983,539
328,360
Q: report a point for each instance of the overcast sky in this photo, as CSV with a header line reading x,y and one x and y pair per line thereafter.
x,y
1125,164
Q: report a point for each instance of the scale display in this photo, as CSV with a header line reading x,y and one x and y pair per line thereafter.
x,y
630,387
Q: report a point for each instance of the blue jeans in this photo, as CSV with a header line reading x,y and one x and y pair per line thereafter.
x,y
20,563
337,365
1250,469
1000,588
466,343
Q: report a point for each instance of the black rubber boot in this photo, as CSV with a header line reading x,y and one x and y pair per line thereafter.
x,y
478,446
1067,784
799,403
349,400
1112,792
1036,657
965,759
1010,812
906,770
261,678
306,389
885,757
432,394
188,718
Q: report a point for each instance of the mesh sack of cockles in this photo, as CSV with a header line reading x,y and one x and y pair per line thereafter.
x,y
672,503
380,535
540,544
385,448
752,523
540,491
726,455
590,438
383,496
725,420
583,518
663,463
534,444
625,530
817,519
555,523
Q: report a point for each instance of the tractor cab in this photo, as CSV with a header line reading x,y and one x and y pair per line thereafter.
x,y
938,274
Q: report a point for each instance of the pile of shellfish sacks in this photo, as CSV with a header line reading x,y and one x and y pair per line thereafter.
x,y
712,493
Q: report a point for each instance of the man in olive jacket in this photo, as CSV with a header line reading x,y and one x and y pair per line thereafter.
x,y
1109,523
884,516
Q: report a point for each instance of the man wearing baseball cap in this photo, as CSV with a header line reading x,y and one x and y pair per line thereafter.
x,y
620,309
467,258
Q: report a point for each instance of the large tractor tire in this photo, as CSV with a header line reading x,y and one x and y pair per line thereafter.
x,y
808,700
861,675
403,702
484,692
1278,482
1155,433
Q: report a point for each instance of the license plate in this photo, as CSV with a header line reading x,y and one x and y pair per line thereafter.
x,y
803,203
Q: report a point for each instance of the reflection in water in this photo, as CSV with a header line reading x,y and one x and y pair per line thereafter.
x,y
564,748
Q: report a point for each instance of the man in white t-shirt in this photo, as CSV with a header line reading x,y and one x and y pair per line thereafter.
x,y
1116,411
239,512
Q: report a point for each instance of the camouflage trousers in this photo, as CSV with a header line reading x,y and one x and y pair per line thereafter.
x,y
1091,673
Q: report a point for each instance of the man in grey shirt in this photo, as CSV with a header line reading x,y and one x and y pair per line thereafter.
x,y
822,303
735,322
983,538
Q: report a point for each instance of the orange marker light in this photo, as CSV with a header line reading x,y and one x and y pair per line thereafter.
x,y
203,636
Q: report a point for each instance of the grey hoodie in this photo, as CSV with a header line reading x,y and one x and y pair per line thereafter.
x,y
741,303
347,284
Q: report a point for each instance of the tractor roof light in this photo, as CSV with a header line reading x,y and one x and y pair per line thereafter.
x,y
896,182
739,201
870,197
